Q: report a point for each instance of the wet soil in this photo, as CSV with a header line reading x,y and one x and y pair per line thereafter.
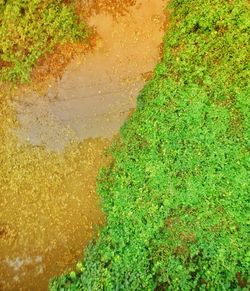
x,y
49,163
97,91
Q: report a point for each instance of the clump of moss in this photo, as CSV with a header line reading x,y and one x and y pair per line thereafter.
x,y
28,29
177,194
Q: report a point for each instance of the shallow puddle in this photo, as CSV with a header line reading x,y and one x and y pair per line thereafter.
x,y
97,91
49,207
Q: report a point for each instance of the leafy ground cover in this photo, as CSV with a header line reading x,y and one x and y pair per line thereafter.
x,y
29,29
177,193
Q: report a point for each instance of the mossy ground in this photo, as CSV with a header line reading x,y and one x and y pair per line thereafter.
x,y
29,29
177,194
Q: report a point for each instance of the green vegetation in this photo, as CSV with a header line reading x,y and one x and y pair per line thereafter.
x,y
28,29
177,194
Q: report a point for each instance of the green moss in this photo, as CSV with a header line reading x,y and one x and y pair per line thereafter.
x,y
28,29
177,194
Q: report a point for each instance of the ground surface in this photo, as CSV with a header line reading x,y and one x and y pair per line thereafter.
x,y
177,193
95,94
29,29
49,206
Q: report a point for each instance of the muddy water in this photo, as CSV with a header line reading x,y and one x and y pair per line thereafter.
x,y
49,207
97,91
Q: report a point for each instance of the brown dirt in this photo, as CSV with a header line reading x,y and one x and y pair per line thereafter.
x,y
53,64
97,90
114,7
48,203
